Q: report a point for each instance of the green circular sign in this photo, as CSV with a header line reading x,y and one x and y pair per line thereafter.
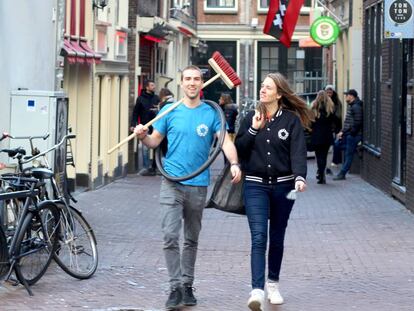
x,y
324,30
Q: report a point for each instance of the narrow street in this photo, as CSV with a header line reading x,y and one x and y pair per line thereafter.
x,y
348,247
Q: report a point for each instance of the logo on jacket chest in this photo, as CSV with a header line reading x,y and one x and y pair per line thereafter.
x,y
283,134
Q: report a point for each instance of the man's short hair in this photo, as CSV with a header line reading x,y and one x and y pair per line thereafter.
x,y
351,92
191,67
147,82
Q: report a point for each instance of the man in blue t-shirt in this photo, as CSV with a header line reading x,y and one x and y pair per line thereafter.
x,y
190,129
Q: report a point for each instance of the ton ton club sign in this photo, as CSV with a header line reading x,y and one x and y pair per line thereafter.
x,y
399,19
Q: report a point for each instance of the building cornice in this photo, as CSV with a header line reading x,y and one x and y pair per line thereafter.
x,y
112,67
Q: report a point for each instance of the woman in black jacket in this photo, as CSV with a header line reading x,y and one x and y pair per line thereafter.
x,y
323,128
272,149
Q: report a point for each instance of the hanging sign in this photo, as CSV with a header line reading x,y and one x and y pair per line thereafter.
x,y
324,30
399,19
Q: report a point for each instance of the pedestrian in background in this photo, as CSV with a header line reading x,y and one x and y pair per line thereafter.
x,y
323,129
230,111
190,129
166,97
337,156
351,134
272,149
146,107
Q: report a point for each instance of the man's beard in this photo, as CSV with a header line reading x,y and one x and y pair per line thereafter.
x,y
192,97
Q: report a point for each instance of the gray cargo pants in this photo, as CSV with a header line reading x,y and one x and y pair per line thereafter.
x,y
180,202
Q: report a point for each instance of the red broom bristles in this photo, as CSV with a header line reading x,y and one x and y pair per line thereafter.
x,y
221,66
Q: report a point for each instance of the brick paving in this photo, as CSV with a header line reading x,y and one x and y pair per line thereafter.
x,y
348,247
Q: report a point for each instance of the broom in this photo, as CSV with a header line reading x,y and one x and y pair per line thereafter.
x,y
223,70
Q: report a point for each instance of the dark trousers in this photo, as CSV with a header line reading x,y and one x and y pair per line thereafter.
x,y
264,202
338,147
350,148
321,153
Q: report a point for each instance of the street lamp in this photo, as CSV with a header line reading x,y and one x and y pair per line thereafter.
x,y
100,4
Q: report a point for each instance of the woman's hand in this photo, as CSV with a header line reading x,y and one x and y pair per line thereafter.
x,y
300,185
258,120
236,173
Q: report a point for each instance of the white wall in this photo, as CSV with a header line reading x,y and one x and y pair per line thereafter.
x,y
27,49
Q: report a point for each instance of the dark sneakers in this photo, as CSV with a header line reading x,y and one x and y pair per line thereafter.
x,y
188,296
175,299
147,172
339,177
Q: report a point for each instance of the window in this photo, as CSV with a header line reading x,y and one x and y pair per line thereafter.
x,y
220,6
263,6
372,75
102,44
121,43
161,65
302,67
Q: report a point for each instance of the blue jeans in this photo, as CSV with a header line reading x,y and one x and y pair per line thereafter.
x,y
265,202
351,143
145,156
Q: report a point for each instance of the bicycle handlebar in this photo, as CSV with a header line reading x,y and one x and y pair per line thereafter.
x,y
44,137
69,136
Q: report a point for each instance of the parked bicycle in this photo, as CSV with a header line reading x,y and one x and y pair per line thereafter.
x,y
35,238
76,252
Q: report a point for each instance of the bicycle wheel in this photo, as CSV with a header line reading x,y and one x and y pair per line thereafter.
x,y
36,242
76,253
4,258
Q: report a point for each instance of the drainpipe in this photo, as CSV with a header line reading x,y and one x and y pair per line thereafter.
x,y
247,43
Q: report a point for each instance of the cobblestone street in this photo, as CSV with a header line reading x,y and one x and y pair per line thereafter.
x,y
348,247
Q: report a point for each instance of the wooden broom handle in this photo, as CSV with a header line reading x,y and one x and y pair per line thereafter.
x,y
159,116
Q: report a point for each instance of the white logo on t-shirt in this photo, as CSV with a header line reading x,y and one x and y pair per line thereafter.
x,y
283,134
202,130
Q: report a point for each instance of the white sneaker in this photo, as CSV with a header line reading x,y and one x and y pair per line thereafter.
x,y
256,300
273,293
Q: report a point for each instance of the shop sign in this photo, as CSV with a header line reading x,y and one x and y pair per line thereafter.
x,y
399,19
324,30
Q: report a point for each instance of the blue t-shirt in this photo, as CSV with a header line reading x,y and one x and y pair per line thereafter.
x,y
190,133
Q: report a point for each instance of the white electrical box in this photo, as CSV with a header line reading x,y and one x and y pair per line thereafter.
x,y
35,113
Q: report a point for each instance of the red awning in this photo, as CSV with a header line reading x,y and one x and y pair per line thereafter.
x,y
152,38
79,52
96,56
186,31
68,52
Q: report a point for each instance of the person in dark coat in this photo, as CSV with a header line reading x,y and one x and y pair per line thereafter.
x,y
230,111
272,148
330,90
322,131
166,97
146,108
351,133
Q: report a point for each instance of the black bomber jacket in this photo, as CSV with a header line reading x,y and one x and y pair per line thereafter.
x,y
275,153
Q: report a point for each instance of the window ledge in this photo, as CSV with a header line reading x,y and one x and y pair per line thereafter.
x,y
220,10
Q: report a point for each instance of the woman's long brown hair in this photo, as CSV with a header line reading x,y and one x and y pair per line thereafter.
x,y
290,101
322,102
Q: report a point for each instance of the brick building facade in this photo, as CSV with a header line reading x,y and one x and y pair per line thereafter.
x,y
388,92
